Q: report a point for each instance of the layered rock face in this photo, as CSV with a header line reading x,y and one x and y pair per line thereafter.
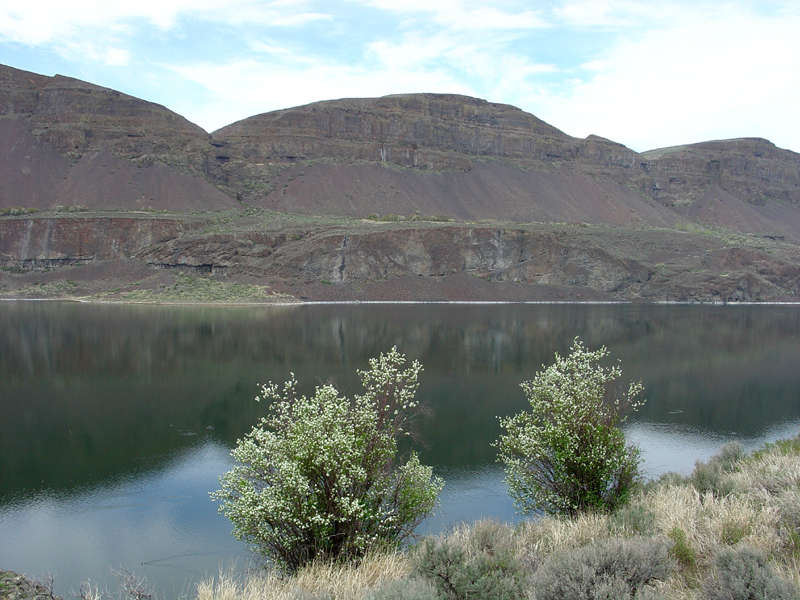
x,y
67,142
448,133
427,131
608,264
75,117
439,132
45,243
751,169
64,141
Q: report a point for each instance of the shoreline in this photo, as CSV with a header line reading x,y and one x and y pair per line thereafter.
x,y
410,302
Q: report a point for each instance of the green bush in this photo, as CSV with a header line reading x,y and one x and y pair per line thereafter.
x,y
409,588
614,568
711,476
788,446
568,454
636,520
745,574
481,564
319,478
681,550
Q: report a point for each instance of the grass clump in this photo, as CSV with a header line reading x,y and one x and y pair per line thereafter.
x,y
712,476
317,580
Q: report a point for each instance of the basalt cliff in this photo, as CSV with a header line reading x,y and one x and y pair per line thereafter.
x,y
407,197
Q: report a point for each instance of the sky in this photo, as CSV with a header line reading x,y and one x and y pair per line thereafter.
x,y
642,73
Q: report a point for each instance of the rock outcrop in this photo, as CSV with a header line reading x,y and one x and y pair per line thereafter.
x,y
67,142
752,169
600,263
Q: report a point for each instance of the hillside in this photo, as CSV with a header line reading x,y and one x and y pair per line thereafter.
x,y
527,203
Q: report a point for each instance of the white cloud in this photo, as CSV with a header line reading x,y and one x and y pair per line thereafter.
x,y
37,23
462,14
270,87
730,76
635,14
117,57
490,19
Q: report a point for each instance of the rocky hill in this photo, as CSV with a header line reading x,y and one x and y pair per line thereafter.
x,y
495,161
412,160
68,142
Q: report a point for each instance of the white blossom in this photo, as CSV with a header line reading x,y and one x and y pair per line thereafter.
x,y
319,476
568,452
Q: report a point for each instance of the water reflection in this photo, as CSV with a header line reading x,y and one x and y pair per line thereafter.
x,y
106,410
155,524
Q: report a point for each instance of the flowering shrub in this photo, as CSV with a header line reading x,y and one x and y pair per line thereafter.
x,y
318,478
568,454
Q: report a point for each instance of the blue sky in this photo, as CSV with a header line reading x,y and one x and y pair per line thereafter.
x,y
645,74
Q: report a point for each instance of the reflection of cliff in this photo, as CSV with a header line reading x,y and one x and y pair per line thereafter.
x,y
94,391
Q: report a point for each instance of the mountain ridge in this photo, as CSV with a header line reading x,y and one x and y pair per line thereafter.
x,y
250,160
353,191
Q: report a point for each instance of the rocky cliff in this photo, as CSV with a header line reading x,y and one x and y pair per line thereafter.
x,y
758,183
68,142
352,260
532,205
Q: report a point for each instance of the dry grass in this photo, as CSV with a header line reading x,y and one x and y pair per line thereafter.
x,y
319,581
710,522
552,534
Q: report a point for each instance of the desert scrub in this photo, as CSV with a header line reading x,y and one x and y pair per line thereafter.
x,y
317,580
192,288
473,562
671,541
745,574
615,568
711,476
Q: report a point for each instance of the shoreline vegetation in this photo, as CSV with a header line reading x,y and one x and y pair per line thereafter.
x,y
731,529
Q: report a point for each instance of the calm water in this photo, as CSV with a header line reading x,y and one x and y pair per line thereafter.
x,y
117,420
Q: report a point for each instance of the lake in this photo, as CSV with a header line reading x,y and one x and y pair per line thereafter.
x,y
118,420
